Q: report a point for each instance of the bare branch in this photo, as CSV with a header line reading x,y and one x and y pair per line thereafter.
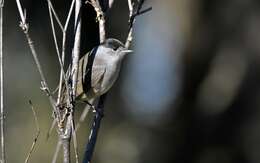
x,y
57,150
37,133
130,32
69,15
66,136
20,11
3,159
132,17
101,19
61,62
51,128
54,35
76,48
74,136
94,130
66,150
63,54
144,11
55,15
44,86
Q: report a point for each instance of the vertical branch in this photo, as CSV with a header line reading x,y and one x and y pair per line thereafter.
x,y
74,71
94,130
130,32
101,19
66,149
2,85
66,124
60,59
76,48
64,49
100,108
74,136
57,150
57,48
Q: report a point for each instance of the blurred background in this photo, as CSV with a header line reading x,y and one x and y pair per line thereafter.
x,y
188,94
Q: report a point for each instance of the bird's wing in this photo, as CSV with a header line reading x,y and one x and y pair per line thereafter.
x,y
98,71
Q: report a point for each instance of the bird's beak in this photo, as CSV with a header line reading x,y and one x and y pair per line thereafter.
x,y
127,51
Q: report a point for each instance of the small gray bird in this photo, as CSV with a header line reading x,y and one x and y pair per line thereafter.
x,y
99,69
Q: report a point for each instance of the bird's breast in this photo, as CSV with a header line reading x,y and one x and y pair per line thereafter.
x,y
110,76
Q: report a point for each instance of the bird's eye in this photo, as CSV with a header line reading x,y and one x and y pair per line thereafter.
x,y
115,48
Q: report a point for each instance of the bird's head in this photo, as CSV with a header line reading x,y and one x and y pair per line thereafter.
x,y
115,47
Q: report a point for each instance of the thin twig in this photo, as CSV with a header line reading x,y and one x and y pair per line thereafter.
x,y
66,136
54,33
132,17
99,114
94,130
20,12
37,133
66,149
57,150
74,72
55,15
101,19
74,136
63,54
62,77
51,128
61,59
76,47
25,27
69,15
3,159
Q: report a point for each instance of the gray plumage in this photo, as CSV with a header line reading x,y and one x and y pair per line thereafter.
x,y
99,69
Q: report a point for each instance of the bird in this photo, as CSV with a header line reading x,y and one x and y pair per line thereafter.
x,y
99,69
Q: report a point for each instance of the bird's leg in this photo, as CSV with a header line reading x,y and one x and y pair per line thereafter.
x,y
95,109
89,104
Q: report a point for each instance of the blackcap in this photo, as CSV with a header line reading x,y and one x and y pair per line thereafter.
x,y
99,69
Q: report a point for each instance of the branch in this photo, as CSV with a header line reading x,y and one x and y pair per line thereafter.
x,y
55,15
51,128
66,149
3,159
132,16
37,133
61,60
57,150
99,114
74,136
100,18
68,88
74,71
66,137
94,130
25,27
76,48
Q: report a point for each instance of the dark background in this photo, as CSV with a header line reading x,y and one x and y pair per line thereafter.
x,y
188,94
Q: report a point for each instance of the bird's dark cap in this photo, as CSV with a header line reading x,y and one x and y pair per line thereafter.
x,y
113,43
